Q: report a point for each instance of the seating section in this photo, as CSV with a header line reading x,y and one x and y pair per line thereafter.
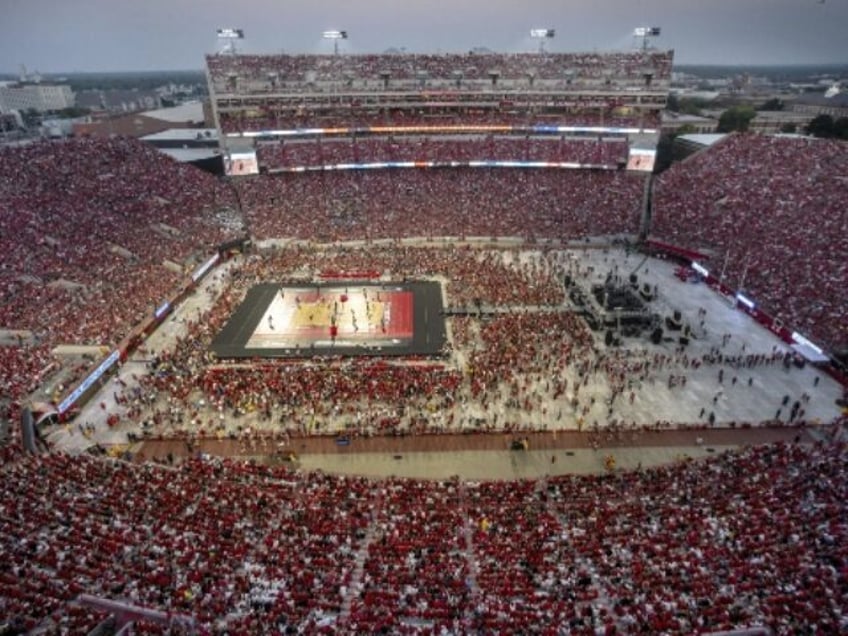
x,y
442,149
271,71
95,234
415,570
287,92
371,395
580,112
771,212
413,202
85,222
754,537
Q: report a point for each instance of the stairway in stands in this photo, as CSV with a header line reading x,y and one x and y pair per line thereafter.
x,y
355,585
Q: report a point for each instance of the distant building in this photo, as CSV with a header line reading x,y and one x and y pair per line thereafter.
x,y
64,127
775,121
189,115
133,125
673,122
770,121
813,105
39,97
118,100
701,95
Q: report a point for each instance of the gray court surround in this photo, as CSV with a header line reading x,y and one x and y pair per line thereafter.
x,y
428,338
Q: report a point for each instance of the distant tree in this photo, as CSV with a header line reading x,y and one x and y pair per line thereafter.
x,y
692,106
825,126
685,105
664,152
789,128
665,148
672,103
146,80
821,126
840,126
773,104
736,118
31,118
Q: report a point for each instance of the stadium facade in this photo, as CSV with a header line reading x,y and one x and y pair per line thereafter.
x,y
262,98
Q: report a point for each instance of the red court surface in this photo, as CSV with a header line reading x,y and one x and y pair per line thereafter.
x,y
339,318
341,315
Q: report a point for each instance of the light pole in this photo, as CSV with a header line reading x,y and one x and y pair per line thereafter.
x,y
335,36
645,33
542,35
227,38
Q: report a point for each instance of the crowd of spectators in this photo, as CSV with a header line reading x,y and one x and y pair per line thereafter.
x,y
291,71
531,364
254,549
353,115
750,538
95,234
22,367
87,222
368,396
563,204
318,152
771,212
309,91
416,568
687,548
471,276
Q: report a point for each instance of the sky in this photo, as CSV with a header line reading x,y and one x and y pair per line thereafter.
x,y
125,35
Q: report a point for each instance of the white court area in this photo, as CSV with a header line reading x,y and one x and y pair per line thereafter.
x,y
304,316
757,395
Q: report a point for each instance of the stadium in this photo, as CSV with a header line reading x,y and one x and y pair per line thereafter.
x,y
439,353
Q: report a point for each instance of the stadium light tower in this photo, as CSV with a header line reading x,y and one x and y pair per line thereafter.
x,y
335,36
646,33
227,39
542,35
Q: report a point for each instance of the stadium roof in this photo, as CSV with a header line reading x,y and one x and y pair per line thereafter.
x,y
704,139
190,154
684,118
183,134
187,112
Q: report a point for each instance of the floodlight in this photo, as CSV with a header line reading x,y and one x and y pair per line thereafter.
x,y
542,35
232,34
645,33
227,39
335,36
641,32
